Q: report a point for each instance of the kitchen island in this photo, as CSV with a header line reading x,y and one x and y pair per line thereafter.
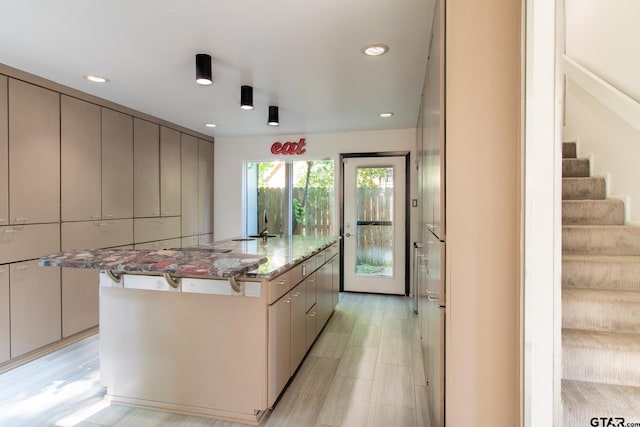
x,y
215,330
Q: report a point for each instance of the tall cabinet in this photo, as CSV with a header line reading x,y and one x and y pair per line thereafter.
x,y
78,172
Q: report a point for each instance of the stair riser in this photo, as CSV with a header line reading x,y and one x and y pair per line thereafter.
x,y
601,240
569,150
592,212
601,275
602,365
598,315
583,188
575,168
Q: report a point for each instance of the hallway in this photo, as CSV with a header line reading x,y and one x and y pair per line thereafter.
x,y
365,369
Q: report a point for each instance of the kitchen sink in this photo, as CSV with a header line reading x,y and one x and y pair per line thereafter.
x,y
243,239
256,236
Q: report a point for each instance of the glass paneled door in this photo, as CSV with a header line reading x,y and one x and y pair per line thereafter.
x,y
374,224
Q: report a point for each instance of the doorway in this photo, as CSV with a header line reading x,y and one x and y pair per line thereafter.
x,y
374,222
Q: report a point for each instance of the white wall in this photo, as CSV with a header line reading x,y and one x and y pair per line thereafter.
x,y
231,153
602,37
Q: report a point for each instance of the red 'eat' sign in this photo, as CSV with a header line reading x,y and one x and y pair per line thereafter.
x,y
296,148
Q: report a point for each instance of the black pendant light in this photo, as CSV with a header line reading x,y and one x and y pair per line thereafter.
x,y
273,116
246,97
203,69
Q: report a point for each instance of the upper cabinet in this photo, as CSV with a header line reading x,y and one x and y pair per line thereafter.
x,y
169,172
205,187
34,153
117,164
190,178
81,159
146,168
4,153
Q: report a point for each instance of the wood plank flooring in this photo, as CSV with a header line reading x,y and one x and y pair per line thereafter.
x,y
365,370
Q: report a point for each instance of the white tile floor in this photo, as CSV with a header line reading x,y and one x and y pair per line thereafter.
x,y
365,370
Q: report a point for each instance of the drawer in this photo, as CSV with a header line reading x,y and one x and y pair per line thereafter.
x,y
22,242
310,284
97,234
278,287
162,244
296,274
150,229
332,251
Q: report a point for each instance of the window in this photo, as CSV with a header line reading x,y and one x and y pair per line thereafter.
x,y
294,197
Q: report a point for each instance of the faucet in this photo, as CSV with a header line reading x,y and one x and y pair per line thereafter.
x,y
264,233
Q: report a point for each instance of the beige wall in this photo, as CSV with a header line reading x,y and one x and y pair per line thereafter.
x,y
602,37
483,79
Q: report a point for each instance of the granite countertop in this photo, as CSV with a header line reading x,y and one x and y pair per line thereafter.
x,y
227,258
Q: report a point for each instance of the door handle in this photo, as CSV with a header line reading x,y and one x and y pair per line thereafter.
x,y
347,234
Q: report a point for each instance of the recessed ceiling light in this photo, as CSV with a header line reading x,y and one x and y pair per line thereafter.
x,y
387,114
210,125
375,49
96,79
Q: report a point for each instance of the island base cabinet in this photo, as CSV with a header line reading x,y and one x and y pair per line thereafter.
x,y
200,354
80,300
4,313
279,342
298,327
35,306
312,330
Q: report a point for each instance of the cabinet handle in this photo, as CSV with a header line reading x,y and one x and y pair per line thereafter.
x,y
109,215
23,218
155,213
96,216
295,294
288,300
21,267
282,282
3,270
312,314
11,230
159,221
103,224
3,219
165,213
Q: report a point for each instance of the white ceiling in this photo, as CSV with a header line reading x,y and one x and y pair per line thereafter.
x,y
301,55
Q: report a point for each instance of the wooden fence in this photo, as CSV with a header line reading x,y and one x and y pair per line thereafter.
x,y
375,235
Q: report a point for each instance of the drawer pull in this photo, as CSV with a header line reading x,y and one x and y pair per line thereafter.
x,y
295,294
165,213
96,216
103,224
115,277
172,281
20,219
109,215
288,300
159,221
11,230
21,267
282,282
3,270
312,314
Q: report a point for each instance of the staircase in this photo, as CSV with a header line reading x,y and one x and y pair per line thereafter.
x,y
600,300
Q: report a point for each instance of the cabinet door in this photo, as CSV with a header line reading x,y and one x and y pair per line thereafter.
x,y
81,159
312,330
298,326
279,347
80,294
189,161
335,279
4,153
35,306
310,293
96,234
146,168
34,154
117,165
169,172
205,187
4,313
324,299
152,229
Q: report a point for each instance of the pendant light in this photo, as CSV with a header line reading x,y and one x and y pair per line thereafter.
x,y
203,69
246,97
273,116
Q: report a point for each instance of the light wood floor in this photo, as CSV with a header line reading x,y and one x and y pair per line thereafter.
x,y
365,369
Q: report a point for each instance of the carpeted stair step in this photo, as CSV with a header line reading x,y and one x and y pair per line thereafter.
x,y
601,272
601,310
569,150
592,188
600,240
593,212
575,167
602,357
582,401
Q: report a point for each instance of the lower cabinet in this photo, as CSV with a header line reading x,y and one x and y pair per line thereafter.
x,y
4,313
279,347
80,300
335,279
310,323
324,297
35,306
